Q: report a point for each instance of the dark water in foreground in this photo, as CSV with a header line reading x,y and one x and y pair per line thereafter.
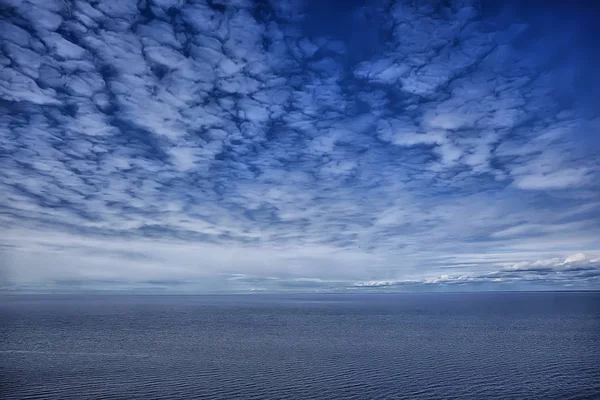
x,y
409,346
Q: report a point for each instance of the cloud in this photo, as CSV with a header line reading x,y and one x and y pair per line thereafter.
x,y
143,143
577,269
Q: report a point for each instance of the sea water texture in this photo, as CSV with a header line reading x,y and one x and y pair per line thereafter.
x,y
329,346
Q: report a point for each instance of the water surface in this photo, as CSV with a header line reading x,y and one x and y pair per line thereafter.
x,y
404,346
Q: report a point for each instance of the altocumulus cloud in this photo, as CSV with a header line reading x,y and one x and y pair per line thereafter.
x,y
289,145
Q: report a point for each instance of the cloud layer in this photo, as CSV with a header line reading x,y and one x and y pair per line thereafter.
x,y
238,145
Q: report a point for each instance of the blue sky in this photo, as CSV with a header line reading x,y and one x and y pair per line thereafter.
x,y
205,146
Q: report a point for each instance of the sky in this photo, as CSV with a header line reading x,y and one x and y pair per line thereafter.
x,y
237,146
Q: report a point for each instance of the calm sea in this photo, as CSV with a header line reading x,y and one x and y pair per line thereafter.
x,y
405,346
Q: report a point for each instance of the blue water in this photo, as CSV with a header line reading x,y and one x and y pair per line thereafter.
x,y
406,346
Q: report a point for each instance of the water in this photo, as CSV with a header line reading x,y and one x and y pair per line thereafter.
x,y
408,346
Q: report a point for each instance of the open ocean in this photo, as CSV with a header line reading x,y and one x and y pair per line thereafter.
x,y
392,346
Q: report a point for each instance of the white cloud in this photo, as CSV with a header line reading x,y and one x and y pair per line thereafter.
x,y
191,143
